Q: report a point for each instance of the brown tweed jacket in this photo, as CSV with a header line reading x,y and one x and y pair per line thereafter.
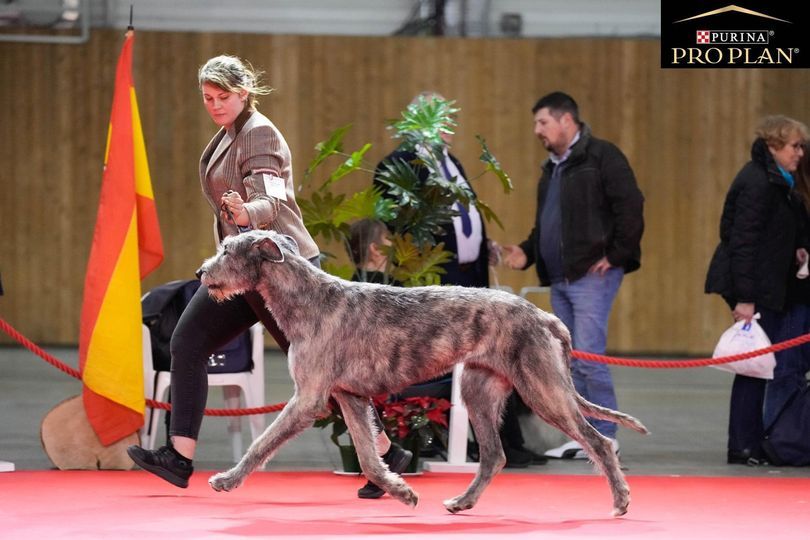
x,y
252,157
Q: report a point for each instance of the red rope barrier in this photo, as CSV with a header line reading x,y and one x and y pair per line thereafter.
x,y
629,362
698,362
76,374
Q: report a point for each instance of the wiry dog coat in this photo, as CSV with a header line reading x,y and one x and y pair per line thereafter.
x,y
354,340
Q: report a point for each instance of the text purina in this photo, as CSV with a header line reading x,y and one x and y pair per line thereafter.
x,y
739,37
744,56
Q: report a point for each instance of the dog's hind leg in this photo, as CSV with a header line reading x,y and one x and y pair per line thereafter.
x,y
601,452
484,394
292,420
358,420
559,408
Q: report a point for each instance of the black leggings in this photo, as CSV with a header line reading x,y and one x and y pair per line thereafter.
x,y
204,327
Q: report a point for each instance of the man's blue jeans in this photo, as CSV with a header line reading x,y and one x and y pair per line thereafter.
x,y
584,307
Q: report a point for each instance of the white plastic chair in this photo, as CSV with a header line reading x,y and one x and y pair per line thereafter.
x,y
250,383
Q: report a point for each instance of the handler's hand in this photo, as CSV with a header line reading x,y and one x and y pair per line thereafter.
x,y
514,257
232,201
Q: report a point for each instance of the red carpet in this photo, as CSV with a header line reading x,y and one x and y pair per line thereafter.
x,y
107,504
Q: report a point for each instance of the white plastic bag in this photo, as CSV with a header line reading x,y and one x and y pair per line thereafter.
x,y
745,337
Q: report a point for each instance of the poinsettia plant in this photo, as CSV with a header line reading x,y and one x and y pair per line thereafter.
x,y
414,422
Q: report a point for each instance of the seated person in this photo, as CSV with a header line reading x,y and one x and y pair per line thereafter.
x,y
367,239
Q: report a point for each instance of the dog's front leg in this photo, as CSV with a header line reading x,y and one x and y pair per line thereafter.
x,y
292,420
355,411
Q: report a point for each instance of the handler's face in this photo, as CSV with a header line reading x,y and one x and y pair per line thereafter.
x,y
223,106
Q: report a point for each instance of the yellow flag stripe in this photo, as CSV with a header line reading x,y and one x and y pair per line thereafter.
x,y
143,183
114,366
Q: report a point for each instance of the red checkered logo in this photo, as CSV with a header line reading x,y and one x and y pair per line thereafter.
x,y
703,36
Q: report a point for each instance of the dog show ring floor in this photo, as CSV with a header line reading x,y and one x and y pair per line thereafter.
x,y
320,505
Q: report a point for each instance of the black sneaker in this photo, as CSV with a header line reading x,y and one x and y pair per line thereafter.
x,y
164,462
397,459
537,459
516,458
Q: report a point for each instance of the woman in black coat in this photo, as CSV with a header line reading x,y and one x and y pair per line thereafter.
x,y
761,239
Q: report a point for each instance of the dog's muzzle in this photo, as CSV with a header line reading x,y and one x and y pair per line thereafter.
x,y
199,273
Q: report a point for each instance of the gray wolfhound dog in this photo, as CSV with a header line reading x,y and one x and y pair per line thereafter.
x,y
355,340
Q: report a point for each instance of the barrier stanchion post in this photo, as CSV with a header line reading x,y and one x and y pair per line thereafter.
x,y
457,433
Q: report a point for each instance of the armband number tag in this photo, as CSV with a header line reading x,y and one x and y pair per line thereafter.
x,y
274,186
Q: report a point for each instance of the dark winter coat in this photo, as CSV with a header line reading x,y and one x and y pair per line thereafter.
x,y
759,234
602,210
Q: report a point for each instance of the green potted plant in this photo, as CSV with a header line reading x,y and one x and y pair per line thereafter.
x,y
415,211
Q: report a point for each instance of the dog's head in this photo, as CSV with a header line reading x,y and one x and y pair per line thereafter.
x,y
236,266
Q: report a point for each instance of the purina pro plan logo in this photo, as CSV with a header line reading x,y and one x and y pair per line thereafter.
x,y
716,34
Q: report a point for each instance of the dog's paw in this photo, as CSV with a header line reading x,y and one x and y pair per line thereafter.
x,y
457,504
405,495
619,511
621,500
620,508
410,497
225,481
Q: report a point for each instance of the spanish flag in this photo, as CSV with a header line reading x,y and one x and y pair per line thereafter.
x,y
126,247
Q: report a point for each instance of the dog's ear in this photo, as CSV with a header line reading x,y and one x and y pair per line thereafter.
x,y
269,249
291,244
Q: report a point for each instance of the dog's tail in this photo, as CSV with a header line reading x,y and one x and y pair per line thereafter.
x,y
603,413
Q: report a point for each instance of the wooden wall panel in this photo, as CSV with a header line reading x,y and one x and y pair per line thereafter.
x,y
686,133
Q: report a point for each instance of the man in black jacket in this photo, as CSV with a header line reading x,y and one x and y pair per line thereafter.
x,y
586,236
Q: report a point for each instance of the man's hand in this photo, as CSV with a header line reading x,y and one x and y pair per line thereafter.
x,y
600,267
494,250
514,257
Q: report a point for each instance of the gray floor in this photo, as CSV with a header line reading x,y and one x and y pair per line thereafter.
x,y
685,409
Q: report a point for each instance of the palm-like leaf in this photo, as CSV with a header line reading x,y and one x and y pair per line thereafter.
x,y
345,271
417,265
366,204
492,165
487,212
423,122
401,180
352,163
332,145
319,212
